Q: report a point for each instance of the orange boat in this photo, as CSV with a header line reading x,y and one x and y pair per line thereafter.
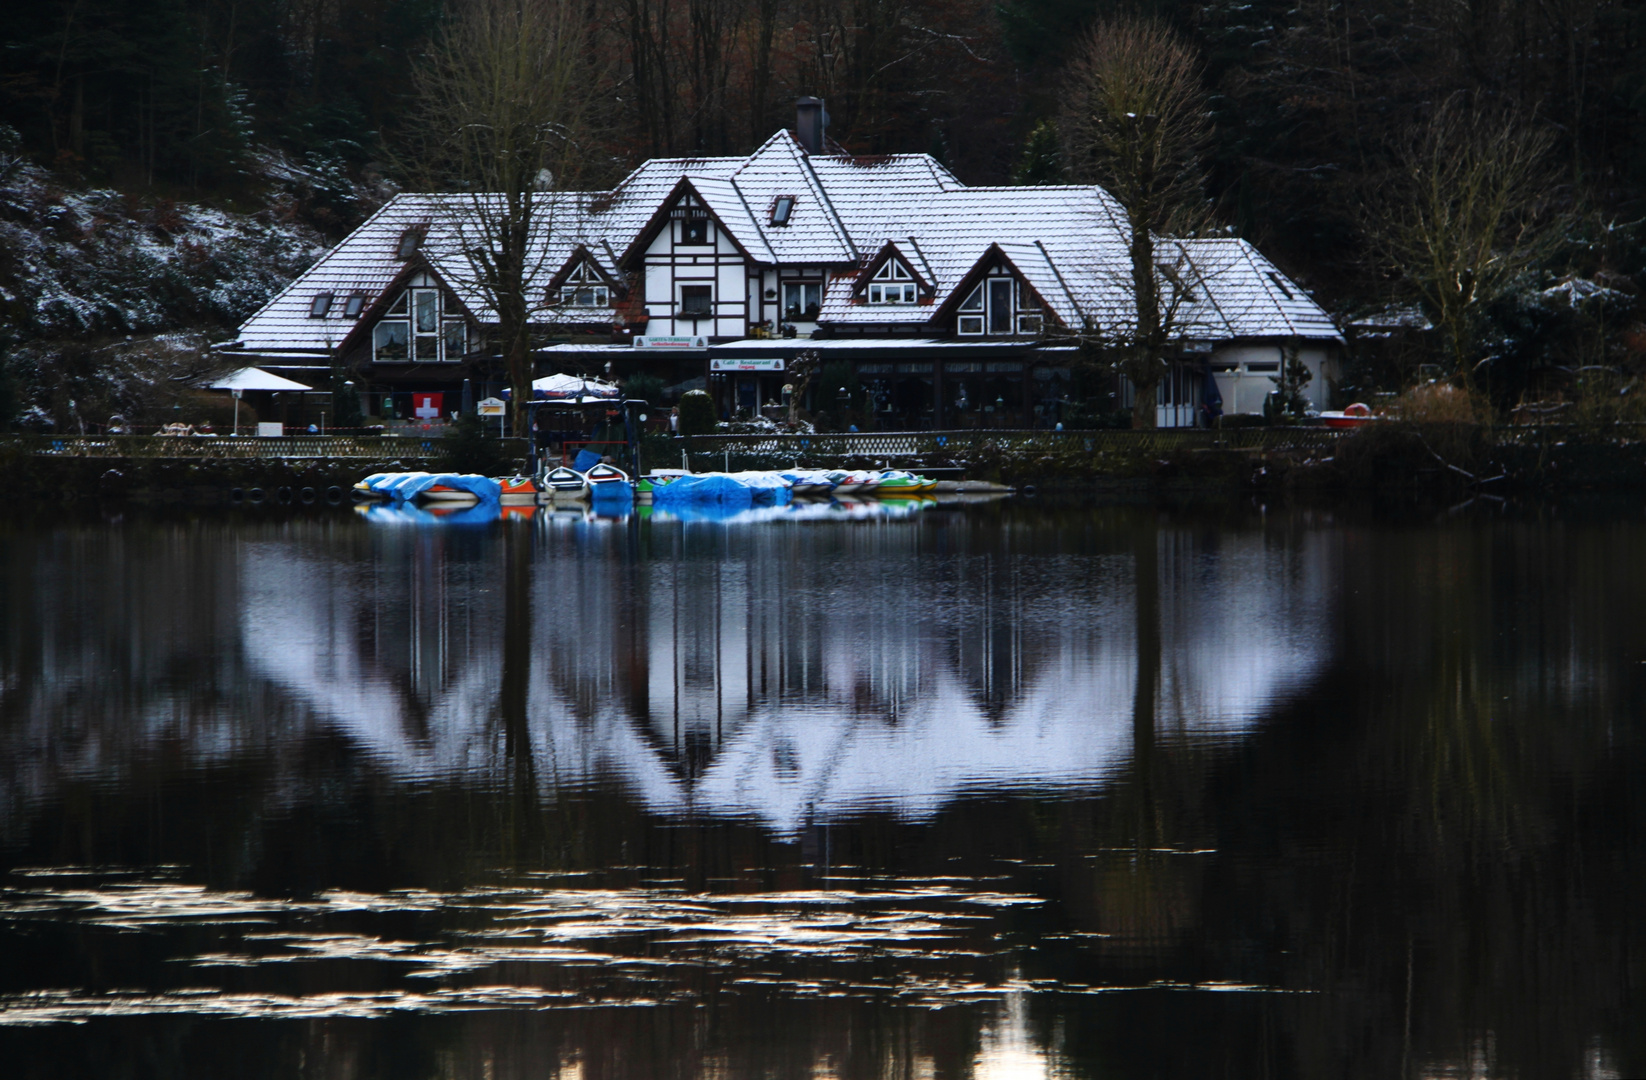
x,y
518,490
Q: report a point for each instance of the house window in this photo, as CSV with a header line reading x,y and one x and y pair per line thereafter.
x,y
970,322
320,305
695,231
696,301
586,296
585,288
892,284
1280,284
455,342
802,300
1000,305
426,310
410,240
1029,324
781,209
355,304
389,342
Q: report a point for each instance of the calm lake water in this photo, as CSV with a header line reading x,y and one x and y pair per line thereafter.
x,y
1016,791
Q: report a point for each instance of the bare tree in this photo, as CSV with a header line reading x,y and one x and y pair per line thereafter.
x,y
1464,214
1135,121
802,370
503,99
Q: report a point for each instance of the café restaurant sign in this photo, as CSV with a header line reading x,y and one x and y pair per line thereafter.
x,y
672,344
762,364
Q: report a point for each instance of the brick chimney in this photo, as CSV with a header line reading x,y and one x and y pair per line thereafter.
x,y
810,120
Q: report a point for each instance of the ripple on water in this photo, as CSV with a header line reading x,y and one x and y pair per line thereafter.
x,y
507,939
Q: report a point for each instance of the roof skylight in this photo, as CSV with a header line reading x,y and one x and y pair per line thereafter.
x,y
409,243
781,209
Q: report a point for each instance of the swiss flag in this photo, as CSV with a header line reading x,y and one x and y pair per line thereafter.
x,y
427,406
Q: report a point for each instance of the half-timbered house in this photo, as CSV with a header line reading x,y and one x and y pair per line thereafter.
x,y
950,305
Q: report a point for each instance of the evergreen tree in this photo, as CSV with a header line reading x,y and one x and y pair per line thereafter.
x,y
1042,160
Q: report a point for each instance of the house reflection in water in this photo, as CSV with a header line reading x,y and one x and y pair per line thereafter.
x,y
792,675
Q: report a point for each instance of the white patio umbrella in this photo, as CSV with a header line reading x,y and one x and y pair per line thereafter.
x,y
252,378
576,389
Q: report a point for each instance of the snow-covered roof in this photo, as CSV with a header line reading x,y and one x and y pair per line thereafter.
x,y
1069,243
1244,295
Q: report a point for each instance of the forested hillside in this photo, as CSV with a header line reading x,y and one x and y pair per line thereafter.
x,y
1315,108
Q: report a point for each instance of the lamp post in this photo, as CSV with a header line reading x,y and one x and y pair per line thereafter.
x,y
633,416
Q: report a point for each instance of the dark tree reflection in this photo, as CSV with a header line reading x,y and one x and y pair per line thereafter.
x,y
1092,792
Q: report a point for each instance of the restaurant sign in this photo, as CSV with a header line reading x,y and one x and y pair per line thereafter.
x,y
763,364
673,344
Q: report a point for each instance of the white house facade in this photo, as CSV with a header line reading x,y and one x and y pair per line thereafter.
x,y
951,306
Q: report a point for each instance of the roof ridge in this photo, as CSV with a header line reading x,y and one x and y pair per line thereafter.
x,y
1200,281
1034,187
1268,283
1073,302
759,229
780,135
804,161
931,274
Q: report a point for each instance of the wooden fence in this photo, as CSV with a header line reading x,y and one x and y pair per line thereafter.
x,y
887,447
225,448
961,445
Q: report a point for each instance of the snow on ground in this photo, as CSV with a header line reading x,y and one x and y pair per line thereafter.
x,y
100,262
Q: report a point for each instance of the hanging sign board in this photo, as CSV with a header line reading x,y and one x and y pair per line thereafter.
x,y
762,364
271,430
427,406
491,406
673,344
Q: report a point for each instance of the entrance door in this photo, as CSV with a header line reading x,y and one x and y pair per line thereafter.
x,y
1177,400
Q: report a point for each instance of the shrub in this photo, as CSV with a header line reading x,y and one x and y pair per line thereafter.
x,y
345,401
1604,396
696,413
467,447
1289,399
1441,403
647,388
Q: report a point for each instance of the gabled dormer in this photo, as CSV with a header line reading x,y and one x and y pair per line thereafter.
x,y
582,285
995,299
418,319
891,280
